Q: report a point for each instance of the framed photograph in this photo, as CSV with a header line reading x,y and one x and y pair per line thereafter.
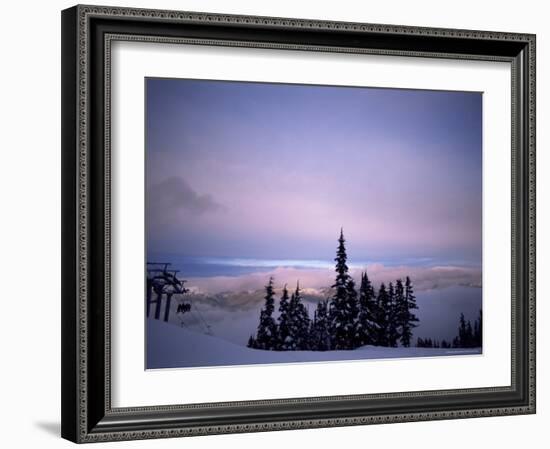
x,y
275,223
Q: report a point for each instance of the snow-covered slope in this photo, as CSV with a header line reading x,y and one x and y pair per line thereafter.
x,y
170,346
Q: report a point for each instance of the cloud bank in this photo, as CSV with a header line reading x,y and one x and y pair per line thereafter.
x,y
315,282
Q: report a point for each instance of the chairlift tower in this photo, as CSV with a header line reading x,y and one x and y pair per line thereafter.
x,y
163,282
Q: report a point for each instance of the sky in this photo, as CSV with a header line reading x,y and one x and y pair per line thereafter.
x,y
250,180
271,172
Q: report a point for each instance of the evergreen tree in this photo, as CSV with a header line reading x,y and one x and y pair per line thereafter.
x,y
401,311
468,336
367,327
251,342
292,330
320,336
393,318
352,312
343,309
298,323
429,343
266,337
303,321
407,318
478,331
283,334
480,327
382,307
462,332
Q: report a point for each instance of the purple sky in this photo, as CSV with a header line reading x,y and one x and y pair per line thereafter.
x,y
272,171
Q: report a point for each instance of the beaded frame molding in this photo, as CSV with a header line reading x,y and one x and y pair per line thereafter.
x,y
87,34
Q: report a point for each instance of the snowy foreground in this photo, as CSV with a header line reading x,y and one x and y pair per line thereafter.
x,y
170,346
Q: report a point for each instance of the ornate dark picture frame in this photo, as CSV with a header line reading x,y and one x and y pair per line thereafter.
x,y
87,34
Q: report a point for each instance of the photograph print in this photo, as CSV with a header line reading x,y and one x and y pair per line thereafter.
x,y
292,223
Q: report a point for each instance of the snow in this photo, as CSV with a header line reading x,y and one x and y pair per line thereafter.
x,y
171,346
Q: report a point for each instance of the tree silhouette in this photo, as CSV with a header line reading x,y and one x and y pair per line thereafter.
x,y
320,336
462,333
251,342
343,310
407,318
468,336
393,317
300,321
367,327
478,331
283,334
382,306
266,337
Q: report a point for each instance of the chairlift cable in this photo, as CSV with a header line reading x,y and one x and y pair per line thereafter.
x,y
206,325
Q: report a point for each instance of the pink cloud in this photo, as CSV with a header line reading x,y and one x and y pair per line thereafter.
x,y
424,278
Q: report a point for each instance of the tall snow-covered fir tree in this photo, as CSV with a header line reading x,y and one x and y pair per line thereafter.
x,y
319,334
382,307
343,310
401,313
299,321
353,314
367,327
393,317
283,334
266,337
407,317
